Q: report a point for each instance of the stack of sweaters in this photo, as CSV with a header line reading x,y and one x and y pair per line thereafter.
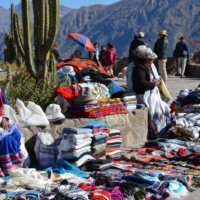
x,y
114,142
128,98
75,146
104,107
100,132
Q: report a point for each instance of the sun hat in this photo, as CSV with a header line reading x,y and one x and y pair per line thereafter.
x,y
162,32
143,52
53,112
85,96
141,34
182,38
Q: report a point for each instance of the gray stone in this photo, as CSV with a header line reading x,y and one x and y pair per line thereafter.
x,y
133,128
193,70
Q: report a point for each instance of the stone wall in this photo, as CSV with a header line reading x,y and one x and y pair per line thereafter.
x,y
133,128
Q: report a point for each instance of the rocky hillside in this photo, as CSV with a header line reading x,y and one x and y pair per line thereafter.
x,y
119,22
5,21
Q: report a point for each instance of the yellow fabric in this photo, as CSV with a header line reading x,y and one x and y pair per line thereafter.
x,y
164,90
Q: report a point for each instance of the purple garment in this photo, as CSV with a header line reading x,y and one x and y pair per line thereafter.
x,y
115,193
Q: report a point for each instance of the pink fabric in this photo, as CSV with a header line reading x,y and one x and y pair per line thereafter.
x,y
110,55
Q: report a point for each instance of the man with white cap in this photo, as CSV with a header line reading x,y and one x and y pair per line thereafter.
x,y
161,49
138,40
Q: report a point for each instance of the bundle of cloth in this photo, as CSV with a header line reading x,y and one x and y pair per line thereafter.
x,y
75,146
128,97
114,142
66,95
98,164
100,133
102,108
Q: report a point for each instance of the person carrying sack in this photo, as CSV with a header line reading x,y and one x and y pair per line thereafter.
x,y
182,54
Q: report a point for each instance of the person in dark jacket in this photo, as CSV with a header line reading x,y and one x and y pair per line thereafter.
x,y
138,40
181,56
56,53
161,49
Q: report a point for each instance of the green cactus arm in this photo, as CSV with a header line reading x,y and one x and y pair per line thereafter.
x,y
54,23
10,49
52,66
46,22
12,15
17,35
36,5
26,18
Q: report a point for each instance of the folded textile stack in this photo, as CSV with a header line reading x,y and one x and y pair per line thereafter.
x,y
100,132
75,146
98,165
102,108
114,142
130,103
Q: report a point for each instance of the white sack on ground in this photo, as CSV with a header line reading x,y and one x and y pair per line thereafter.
x,y
32,115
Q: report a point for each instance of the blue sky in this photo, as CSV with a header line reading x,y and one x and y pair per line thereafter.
x,y
68,3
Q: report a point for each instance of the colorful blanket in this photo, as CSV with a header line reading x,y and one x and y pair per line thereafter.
x,y
79,64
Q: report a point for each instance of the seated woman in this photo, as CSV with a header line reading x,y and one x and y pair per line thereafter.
x,y
10,153
77,54
144,78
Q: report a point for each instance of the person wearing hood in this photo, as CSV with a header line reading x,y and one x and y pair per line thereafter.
x,y
138,40
110,55
56,52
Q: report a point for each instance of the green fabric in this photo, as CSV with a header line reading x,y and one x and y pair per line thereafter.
x,y
99,147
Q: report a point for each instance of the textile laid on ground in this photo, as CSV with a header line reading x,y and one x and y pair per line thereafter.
x,y
102,108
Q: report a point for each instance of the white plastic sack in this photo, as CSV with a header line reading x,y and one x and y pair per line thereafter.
x,y
32,115
12,114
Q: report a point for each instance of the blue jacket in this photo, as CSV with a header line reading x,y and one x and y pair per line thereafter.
x,y
178,51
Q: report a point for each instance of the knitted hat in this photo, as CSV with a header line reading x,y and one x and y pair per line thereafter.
x,y
141,34
143,52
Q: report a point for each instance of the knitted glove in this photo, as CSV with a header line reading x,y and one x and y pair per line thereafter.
x,y
140,194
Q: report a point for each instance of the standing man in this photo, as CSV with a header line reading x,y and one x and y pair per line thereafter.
x,y
94,55
161,49
138,40
182,53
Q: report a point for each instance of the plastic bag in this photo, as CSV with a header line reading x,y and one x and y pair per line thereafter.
x,y
32,115
12,114
164,90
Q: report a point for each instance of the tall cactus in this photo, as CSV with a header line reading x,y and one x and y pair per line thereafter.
x,y
18,35
46,21
52,66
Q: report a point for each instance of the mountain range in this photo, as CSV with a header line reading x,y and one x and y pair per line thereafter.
x,y
119,22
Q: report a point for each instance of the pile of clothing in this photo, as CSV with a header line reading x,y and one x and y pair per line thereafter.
x,y
100,133
114,142
128,97
102,108
75,146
